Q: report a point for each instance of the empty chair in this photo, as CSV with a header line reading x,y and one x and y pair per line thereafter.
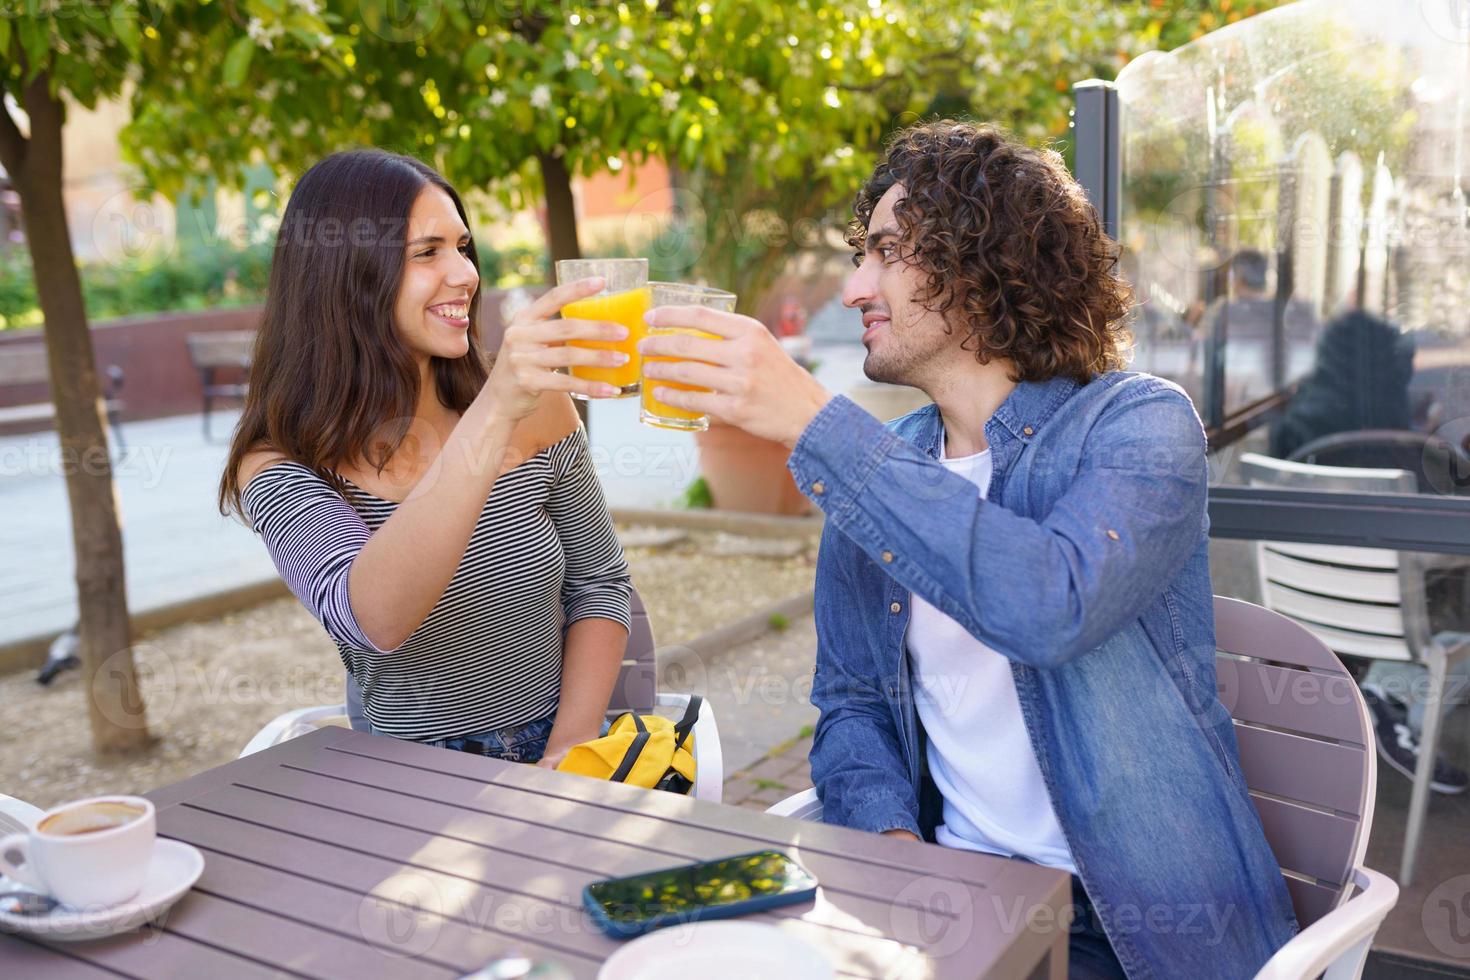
x,y
636,689
1362,602
1306,752
1437,466
17,816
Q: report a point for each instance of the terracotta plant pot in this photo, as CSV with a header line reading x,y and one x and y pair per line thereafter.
x,y
747,473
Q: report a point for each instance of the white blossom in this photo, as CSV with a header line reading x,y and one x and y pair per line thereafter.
x,y
300,128
751,86
625,36
669,101
405,78
262,34
497,97
380,111
356,91
570,60
638,73
541,96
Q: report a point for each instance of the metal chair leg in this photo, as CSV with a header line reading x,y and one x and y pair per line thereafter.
x,y
1434,660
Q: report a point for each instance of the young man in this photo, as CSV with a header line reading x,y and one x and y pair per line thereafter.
x,y
1016,641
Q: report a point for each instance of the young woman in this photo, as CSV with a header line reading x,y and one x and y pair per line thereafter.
x,y
438,513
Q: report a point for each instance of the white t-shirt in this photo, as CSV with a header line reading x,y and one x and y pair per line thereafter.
x,y
979,754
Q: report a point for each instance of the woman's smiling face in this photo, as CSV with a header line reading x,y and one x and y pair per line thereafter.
x,y
431,313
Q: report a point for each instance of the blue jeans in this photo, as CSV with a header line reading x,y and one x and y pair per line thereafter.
x,y
514,743
1089,954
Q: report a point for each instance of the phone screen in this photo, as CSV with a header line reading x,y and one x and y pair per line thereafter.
x,y
676,891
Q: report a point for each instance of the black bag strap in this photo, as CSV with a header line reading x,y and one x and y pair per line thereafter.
x,y
685,725
630,758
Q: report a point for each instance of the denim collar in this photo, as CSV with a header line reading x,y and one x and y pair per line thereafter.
x,y
1028,407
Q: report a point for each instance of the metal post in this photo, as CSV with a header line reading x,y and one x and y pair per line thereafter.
x,y
1099,156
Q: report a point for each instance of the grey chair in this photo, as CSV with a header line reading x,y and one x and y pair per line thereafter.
x,y
1438,466
1306,751
1362,602
636,689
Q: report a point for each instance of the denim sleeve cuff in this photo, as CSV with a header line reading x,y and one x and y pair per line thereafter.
x,y
837,454
881,812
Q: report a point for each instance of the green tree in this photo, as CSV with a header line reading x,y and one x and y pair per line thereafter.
x,y
55,54
772,112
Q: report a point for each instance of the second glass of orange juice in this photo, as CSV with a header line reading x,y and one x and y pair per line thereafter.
x,y
652,411
624,299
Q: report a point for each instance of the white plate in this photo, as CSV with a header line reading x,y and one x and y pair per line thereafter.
x,y
172,872
717,951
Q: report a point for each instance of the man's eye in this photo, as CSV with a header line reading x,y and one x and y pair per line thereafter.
x,y
885,252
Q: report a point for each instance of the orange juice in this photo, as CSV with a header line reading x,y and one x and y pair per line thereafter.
x,y
664,416
626,308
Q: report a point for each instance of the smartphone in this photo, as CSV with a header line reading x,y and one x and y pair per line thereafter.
x,y
624,907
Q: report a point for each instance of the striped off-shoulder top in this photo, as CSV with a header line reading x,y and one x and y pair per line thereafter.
x,y
542,556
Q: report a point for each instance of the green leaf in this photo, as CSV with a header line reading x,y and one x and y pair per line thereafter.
x,y
124,23
476,58
237,62
5,37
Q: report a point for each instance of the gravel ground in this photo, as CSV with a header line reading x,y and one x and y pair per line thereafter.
x,y
211,685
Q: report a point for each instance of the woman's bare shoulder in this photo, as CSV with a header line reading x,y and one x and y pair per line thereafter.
x,y
255,460
555,418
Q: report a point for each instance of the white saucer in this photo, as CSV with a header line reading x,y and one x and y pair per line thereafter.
x,y
172,872
717,951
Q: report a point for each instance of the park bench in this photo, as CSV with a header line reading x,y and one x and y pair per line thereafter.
x,y
219,352
25,364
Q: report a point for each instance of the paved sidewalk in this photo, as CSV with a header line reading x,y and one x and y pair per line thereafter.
x,y
779,774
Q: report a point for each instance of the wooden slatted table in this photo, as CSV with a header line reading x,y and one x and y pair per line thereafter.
x,y
345,855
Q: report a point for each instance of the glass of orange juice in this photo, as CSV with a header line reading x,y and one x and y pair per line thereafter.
x,y
652,411
624,299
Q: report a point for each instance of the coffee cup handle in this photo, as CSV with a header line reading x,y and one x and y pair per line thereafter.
x,y
15,861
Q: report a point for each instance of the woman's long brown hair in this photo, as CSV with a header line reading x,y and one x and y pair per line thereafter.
x,y
330,380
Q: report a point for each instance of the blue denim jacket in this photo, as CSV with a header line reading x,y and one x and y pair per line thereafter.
x,y
1087,567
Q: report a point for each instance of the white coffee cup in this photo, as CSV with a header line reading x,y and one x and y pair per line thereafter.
x,y
85,854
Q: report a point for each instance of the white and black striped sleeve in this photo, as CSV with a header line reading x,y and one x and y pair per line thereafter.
x,y
313,536
597,583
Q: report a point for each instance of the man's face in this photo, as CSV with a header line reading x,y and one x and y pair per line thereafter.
x,y
905,341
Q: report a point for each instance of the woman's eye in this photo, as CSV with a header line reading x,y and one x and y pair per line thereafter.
x,y
426,254
464,249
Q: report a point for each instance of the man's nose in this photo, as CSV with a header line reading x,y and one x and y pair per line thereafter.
x,y
860,287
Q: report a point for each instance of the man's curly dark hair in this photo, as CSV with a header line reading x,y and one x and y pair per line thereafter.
x,y
1013,251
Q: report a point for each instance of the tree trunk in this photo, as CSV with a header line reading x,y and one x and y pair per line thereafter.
x,y
561,229
114,704
561,208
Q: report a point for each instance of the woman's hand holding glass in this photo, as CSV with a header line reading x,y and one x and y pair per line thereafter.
x,y
534,353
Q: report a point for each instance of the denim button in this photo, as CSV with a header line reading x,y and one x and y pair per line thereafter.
x,y
895,607
1112,534
819,488
1028,431
887,557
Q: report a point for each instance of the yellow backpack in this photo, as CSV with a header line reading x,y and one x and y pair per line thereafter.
x,y
641,750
